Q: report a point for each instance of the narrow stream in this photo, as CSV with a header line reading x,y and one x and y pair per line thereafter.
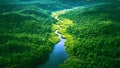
x,y
58,55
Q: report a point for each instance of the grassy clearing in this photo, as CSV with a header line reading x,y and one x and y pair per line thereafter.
x,y
63,30
54,38
64,27
58,13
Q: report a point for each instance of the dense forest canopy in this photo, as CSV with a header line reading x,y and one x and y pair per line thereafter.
x,y
27,36
96,36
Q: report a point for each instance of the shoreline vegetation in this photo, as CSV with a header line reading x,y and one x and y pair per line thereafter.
x,y
25,37
96,34
27,33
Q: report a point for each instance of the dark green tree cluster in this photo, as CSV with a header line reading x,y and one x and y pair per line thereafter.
x,y
39,5
96,33
25,38
15,5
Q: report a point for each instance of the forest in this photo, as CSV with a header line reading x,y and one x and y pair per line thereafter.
x,y
27,35
96,37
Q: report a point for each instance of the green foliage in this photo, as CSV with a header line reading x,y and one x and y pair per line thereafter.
x,y
45,5
96,31
25,37
41,13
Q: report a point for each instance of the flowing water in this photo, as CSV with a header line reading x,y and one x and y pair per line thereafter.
x,y
58,55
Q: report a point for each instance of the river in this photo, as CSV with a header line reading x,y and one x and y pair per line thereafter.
x,y
58,55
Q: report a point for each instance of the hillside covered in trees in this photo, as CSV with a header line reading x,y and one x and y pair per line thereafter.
x,y
96,37
27,32
25,37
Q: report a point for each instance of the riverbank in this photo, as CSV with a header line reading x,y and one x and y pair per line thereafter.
x,y
59,54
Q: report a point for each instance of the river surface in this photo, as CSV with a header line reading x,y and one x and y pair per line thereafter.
x,y
58,55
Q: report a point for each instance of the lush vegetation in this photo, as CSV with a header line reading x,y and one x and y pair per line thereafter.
x,y
8,5
27,33
26,37
96,37
13,5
